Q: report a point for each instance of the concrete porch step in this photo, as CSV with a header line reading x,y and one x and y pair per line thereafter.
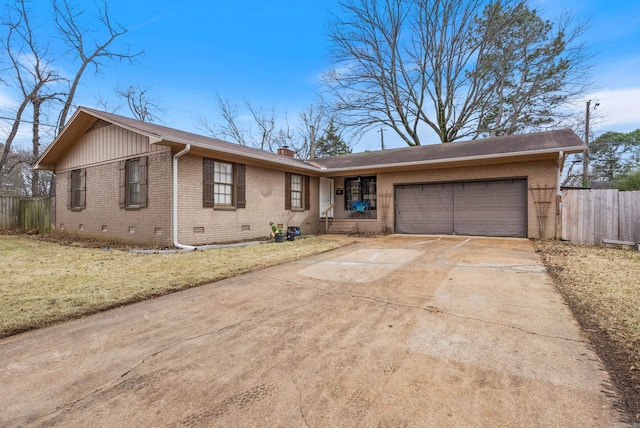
x,y
351,225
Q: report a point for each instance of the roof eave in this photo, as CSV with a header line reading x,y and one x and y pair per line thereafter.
x,y
163,140
38,165
153,138
566,150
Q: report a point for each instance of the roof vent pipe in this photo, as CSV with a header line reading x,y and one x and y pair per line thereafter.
x,y
174,226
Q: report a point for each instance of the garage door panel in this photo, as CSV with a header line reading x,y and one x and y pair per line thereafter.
x,y
491,208
424,209
409,204
487,208
439,208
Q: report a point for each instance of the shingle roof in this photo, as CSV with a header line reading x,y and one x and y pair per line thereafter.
x,y
550,141
500,147
165,133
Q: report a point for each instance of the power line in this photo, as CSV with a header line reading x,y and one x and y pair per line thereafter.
x,y
27,121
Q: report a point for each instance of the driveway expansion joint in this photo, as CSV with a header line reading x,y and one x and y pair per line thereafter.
x,y
432,309
533,333
362,296
304,419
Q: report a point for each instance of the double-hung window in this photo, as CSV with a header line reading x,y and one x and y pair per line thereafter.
x,y
77,189
133,183
223,184
296,192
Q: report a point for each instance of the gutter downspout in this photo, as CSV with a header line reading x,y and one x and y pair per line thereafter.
x,y
174,225
560,168
559,206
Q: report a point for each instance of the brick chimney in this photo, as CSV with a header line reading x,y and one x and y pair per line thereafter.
x,y
285,151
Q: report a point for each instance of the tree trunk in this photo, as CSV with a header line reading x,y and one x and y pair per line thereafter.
x,y
35,176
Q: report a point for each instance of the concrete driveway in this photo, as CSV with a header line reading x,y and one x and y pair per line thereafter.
x,y
390,332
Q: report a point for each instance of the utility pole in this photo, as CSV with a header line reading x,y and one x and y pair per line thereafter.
x,y
312,142
382,138
585,162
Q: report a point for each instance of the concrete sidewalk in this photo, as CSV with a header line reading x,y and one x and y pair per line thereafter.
x,y
392,332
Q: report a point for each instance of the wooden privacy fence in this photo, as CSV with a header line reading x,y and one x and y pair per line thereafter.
x,y
28,214
9,213
590,217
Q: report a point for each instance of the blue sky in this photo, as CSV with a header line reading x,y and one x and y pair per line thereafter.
x,y
272,53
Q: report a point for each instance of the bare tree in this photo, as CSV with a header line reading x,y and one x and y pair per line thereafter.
x,y
14,179
311,122
425,64
231,128
33,76
266,123
141,104
263,135
67,17
286,137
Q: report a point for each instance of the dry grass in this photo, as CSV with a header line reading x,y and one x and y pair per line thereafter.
x,y
44,283
602,287
606,283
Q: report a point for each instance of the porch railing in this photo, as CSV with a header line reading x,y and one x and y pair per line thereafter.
x,y
326,217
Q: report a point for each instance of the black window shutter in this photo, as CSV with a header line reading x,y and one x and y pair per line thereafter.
x,y
69,190
241,186
142,199
82,203
307,192
207,183
287,190
123,184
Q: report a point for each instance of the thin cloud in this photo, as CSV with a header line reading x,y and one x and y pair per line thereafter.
x,y
620,108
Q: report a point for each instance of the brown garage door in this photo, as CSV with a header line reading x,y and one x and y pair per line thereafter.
x,y
484,208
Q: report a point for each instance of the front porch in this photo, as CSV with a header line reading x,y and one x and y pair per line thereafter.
x,y
348,198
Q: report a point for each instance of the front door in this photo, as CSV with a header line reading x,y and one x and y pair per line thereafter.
x,y
326,196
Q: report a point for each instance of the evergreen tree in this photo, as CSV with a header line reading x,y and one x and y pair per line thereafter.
x,y
614,155
331,143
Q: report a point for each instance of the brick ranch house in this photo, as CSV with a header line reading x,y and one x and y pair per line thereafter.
x,y
138,182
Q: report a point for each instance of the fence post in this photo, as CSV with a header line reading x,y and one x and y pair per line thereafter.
x,y
9,212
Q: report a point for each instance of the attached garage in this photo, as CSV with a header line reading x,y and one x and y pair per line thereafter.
x,y
481,208
502,186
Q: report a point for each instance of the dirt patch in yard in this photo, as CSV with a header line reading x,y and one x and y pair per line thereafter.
x,y
602,288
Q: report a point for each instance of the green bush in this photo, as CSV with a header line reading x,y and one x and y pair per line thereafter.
x,y
628,182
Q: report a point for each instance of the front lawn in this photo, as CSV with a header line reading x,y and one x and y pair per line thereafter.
x,y
43,283
602,287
